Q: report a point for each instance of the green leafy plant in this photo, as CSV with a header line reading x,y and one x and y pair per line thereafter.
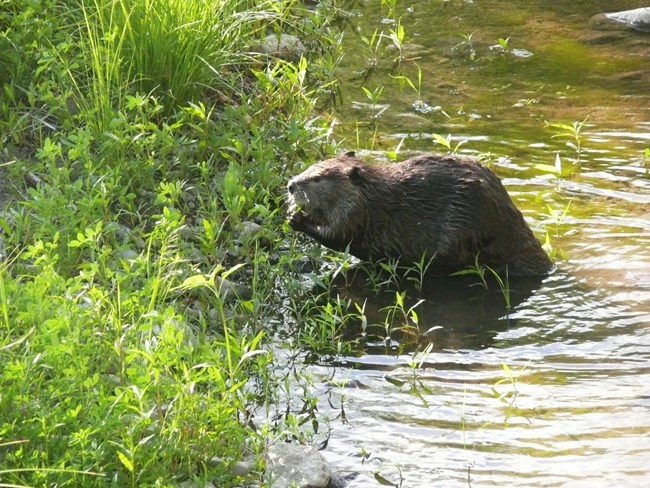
x,y
372,44
504,43
467,45
446,142
556,219
558,169
397,37
508,396
479,270
419,269
401,318
573,132
417,387
390,5
374,97
419,105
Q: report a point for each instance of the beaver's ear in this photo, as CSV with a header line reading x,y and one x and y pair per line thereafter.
x,y
355,174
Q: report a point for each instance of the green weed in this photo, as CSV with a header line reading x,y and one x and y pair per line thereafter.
x,y
446,142
557,220
417,387
467,45
397,37
508,396
573,132
371,44
481,271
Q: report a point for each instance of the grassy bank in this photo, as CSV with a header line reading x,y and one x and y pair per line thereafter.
x,y
145,147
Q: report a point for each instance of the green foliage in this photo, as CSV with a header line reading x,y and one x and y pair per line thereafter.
x,y
131,300
508,396
467,45
557,228
446,142
573,132
397,37
504,44
105,373
480,270
371,45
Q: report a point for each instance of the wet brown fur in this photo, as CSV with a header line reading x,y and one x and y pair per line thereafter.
x,y
448,208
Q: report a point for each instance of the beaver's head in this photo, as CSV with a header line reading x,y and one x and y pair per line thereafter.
x,y
325,187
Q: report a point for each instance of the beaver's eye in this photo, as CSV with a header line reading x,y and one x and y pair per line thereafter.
x,y
316,179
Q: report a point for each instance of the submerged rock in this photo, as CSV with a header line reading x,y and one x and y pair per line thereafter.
x,y
638,19
297,466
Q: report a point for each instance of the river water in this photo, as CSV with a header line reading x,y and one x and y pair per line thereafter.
x,y
556,391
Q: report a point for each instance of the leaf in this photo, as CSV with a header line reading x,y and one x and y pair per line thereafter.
x,y
464,272
443,141
230,271
144,440
547,168
125,461
425,388
383,481
394,381
194,281
558,164
250,354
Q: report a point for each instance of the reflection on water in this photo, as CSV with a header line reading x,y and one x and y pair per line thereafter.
x,y
572,407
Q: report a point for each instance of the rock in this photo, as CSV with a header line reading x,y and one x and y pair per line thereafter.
x,y
284,46
306,265
248,229
248,232
239,468
127,254
638,19
338,481
230,290
297,466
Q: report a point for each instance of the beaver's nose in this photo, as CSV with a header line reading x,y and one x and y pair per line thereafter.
x,y
291,187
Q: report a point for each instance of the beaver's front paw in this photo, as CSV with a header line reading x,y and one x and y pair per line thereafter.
x,y
299,220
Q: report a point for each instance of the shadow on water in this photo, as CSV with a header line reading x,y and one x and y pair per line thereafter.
x,y
459,312
541,317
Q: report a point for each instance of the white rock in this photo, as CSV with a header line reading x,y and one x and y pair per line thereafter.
x,y
293,465
639,18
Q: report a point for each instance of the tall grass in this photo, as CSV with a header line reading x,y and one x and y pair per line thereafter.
x,y
176,50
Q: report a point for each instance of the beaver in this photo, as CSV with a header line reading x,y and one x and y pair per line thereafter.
x,y
449,209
